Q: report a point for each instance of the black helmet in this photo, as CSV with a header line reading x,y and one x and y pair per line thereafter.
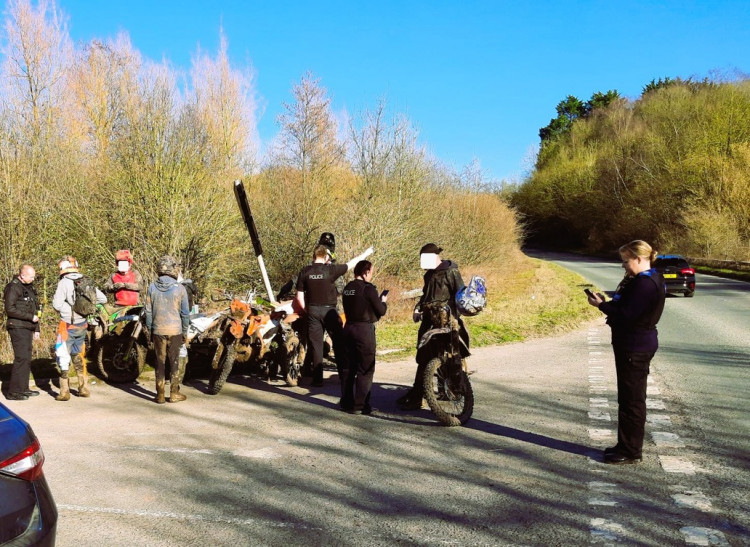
x,y
167,265
327,239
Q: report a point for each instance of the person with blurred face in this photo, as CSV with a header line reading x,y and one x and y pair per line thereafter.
x,y
126,283
442,280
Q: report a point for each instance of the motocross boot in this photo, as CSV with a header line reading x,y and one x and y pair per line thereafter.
x,y
160,391
174,383
64,394
83,380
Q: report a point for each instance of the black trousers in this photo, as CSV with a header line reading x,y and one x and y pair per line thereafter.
x,y
321,319
357,381
632,374
21,340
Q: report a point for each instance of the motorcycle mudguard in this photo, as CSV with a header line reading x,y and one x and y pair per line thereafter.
x,y
430,334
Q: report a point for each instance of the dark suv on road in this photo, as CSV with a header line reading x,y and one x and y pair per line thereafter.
x,y
28,514
677,273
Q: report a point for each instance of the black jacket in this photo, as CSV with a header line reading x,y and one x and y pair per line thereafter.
x,y
441,285
362,302
21,304
634,312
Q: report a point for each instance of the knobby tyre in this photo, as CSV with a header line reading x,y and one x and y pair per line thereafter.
x,y
114,364
220,373
450,398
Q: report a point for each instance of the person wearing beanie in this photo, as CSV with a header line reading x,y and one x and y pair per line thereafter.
x,y
442,280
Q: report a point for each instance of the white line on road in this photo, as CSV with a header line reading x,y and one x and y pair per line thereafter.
x,y
664,439
703,536
673,464
693,499
607,530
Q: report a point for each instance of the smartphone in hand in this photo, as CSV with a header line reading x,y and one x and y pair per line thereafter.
x,y
588,292
384,293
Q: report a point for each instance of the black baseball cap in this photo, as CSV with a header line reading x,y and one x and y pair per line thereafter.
x,y
430,248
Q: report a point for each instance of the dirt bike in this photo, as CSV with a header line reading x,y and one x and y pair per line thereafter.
x,y
446,384
264,340
121,344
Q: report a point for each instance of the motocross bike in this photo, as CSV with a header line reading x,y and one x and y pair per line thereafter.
x,y
121,344
263,340
446,384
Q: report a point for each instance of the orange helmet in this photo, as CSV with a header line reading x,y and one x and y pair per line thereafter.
x,y
124,254
68,264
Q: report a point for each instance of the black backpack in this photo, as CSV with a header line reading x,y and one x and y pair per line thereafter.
x,y
85,296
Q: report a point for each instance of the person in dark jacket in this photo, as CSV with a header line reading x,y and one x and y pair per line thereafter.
x,y
363,307
632,315
442,280
317,296
167,321
22,309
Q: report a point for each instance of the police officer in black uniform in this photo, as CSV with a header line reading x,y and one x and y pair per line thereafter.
x,y
22,309
363,307
316,294
633,314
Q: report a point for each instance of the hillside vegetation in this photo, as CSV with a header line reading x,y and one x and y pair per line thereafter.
x,y
672,167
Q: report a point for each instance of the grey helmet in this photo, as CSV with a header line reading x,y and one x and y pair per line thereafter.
x,y
168,265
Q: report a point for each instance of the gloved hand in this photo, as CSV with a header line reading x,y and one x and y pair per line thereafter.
x,y
416,315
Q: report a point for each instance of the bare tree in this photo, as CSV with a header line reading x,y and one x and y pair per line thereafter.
x,y
226,105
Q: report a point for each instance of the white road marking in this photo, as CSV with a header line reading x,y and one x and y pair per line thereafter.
x,y
599,402
659,419
703,536
673,464
603,487
652,390
693,499
605,530
604,502
600,415
655,404
179,516
664,439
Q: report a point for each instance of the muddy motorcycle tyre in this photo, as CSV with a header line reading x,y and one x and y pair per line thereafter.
x,y
220,374
451,400
112,362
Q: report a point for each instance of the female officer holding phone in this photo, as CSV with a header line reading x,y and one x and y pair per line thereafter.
x,y
632,314
363,307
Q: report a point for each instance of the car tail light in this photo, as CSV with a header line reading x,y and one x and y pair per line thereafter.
x,y
687,271
27,464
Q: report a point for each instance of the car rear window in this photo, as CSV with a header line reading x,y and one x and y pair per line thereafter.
x,y
674,262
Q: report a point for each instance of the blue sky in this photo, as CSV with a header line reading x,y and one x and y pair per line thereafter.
x,y
477,78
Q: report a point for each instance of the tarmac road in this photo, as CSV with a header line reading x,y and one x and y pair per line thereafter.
x,y
265,464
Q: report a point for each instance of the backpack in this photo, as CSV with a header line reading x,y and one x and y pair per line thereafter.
x,y
472,299
85,296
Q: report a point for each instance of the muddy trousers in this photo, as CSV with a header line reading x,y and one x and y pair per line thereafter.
x,y
320,319
167,350
632,374
21,340
359,339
